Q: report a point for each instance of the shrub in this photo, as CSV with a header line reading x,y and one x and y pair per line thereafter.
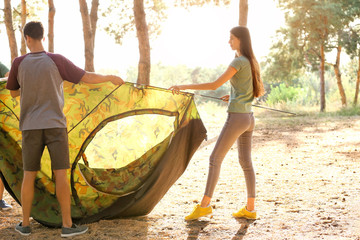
x,y
283,93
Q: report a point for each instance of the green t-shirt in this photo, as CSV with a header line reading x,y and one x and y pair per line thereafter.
x,y
241,95
3,70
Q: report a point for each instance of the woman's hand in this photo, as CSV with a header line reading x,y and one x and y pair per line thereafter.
x,y
176,89
225,98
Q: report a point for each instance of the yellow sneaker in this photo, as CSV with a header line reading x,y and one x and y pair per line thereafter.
x,y
199,212
244,213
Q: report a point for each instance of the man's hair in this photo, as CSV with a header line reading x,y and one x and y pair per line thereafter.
x,y
34,30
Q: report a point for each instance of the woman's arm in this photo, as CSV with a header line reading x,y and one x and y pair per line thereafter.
x,y
230,71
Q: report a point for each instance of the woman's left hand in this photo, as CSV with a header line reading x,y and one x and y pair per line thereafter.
x,y
175,89
225,98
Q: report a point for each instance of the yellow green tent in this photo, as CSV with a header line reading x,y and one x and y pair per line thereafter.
x,y
128,145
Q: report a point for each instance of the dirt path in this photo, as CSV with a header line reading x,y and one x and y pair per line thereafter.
x,y
308,187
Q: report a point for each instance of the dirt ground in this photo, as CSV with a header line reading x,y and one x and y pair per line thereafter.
x,y
308,187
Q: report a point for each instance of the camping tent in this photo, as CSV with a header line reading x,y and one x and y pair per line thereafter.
x,y
128,145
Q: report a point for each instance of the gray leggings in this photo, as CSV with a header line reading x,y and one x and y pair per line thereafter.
x,y
238,126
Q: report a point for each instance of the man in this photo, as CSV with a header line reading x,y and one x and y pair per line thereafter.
x,y
37,78
4,72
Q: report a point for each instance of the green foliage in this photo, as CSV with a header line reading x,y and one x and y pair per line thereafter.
x,y
300,94
33,8
311,25
283,93
349,111
284,63
350,70
351,40
189,3
118,18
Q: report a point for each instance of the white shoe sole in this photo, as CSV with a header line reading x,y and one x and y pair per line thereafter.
x,y
6,209
200,217
73,234
23,234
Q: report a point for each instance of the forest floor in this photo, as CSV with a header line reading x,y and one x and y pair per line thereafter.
x,y
308,187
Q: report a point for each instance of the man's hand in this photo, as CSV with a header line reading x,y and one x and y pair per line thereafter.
x,y
116,80
15,93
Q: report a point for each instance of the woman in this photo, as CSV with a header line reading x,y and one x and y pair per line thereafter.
x,y
246,84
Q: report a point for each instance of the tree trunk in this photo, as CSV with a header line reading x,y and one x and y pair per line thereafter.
x,y
338,77
51,16
322,79
23,22
88,37
9,29
243,12
357,83
94,18
144,45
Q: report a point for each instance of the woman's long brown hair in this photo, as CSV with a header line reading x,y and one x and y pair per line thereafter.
x,y
242,33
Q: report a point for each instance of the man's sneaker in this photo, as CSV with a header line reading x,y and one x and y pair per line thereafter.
x,y
199,212
25,231
73,231
4,205
244,213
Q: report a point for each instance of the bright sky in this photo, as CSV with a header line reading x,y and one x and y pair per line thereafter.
x,y
195,37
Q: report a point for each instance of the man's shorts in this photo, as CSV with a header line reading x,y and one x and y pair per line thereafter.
x,y
34,142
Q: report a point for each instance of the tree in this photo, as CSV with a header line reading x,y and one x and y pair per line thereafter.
x,y
23,22
145,20
311,25
10,29
284,63
352,47
351,38
338,75
144,43
244,7
349,10
357,82
146,17
89,29
17,17
51,16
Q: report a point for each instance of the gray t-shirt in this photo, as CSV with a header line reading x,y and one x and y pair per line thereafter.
x,y
40,76
241,95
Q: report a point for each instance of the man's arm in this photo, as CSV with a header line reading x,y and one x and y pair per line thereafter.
x,y
7,74
93,78
15,93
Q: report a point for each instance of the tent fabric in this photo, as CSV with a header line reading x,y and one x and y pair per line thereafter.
x,y
128,145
